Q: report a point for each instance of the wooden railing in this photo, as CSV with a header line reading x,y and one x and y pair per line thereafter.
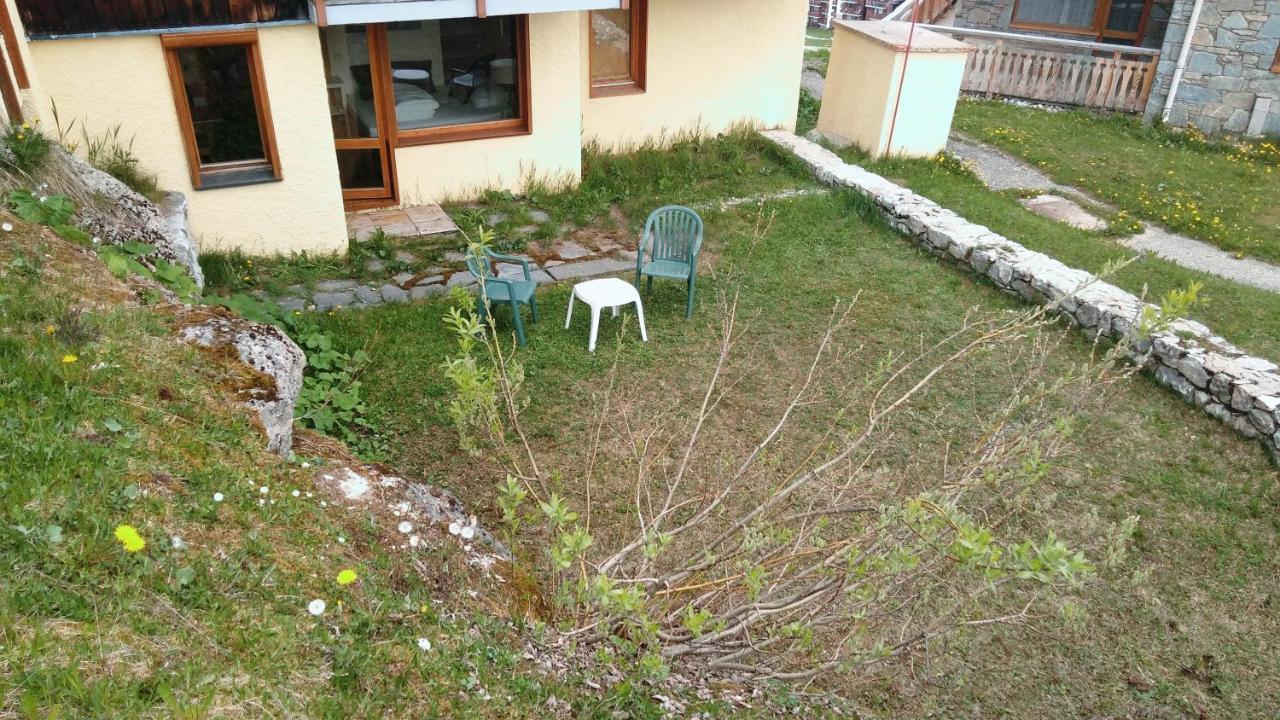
x,y
53,18
929,11
1066,72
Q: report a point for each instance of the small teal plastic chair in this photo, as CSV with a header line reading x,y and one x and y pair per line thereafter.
x,y
503,290
672,239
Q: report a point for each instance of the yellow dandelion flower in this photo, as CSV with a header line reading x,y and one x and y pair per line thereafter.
x,y
346,577
129,538
69,358
49,329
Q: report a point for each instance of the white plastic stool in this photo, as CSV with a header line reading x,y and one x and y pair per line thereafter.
x,y
603,293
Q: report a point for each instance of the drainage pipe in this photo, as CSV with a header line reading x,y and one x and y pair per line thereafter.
x,y
1182,60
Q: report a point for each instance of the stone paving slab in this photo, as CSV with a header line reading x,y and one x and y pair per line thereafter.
x,y
414,221
1205,257
1060,209
590,268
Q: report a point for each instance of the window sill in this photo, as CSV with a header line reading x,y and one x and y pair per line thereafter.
x,y
1063,29
463,133
237,178
601,91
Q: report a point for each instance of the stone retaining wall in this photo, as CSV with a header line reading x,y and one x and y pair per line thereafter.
x,y
1204,369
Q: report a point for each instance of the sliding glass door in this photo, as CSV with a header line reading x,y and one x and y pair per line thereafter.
x,y
361,113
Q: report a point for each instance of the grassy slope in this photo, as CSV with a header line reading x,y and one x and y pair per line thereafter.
x,y
1228,195
1203,569
140,429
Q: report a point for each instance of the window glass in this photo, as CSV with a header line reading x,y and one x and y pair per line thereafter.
x,y
1126,15
453,72
610,47
350,81
1073,13
224,113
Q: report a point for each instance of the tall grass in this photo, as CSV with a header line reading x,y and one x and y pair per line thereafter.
x,y
113,155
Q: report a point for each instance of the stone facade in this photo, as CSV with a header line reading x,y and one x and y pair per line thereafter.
x,y
998,14
1203,369
1229,68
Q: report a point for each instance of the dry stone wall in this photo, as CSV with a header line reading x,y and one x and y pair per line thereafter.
x,y
1204,369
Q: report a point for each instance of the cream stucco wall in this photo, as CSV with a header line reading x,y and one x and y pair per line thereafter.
x,y
863,77
103,82
711,64
553,150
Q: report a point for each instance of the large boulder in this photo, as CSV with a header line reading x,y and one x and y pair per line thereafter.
x,y
115,213
276,358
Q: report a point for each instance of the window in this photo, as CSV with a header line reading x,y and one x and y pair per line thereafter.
x,y
1275,65
1106,20
221,99
458,79
618,46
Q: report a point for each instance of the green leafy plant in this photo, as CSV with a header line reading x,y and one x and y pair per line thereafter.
x,y
52,210
331,400
128,258
27,147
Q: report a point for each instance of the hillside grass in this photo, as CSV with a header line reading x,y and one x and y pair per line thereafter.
x,y
109,420
1225,192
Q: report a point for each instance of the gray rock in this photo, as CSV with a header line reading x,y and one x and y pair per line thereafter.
x,y
430,280
367,295
570,250
291,304
494,219
455,257
401,278
539,216
526,230
117,214
394,293
462,278
374,265
405,257
297,290
270,351
328,300
330,286
420,292
1192,368
1263,421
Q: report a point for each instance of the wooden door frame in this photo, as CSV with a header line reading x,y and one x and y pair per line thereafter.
x,y
384,107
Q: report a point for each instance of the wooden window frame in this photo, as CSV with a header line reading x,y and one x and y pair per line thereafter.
x,y
1275,64
200,173
522,125
639,54
1098,29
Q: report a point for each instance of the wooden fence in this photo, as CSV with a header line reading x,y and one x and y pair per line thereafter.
x,y
1066,72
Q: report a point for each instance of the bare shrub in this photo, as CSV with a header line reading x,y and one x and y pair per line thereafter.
x,y
798,553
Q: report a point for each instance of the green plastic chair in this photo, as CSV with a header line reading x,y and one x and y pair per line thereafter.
x,y
503,290
673,238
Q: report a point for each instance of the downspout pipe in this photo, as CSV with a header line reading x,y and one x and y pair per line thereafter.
x,y
1182,60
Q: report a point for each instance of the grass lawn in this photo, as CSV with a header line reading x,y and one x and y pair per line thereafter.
x,y
1225,193
1179,628
817,37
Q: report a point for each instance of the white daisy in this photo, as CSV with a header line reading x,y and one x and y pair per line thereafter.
x,y
8,227
424,644
454,528
316,607
406,527
217,497
295,493
468,532
264,490
342,540
178,544
413,541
